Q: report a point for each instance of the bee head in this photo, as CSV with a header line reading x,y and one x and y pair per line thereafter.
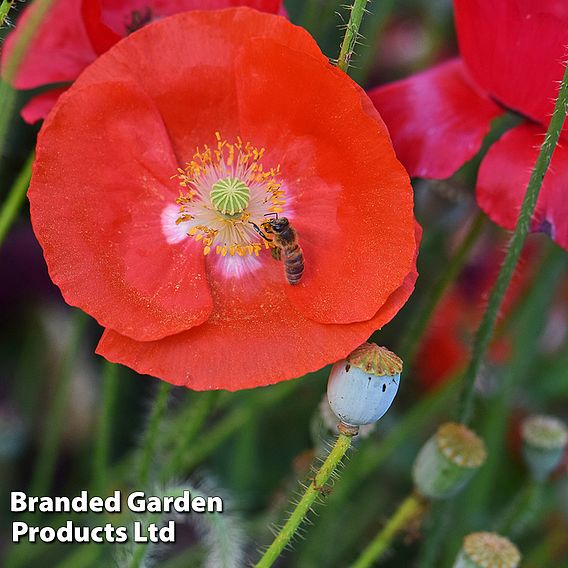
x,y
278,225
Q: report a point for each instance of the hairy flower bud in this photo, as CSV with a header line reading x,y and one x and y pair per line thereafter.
x,y
447,461
544,441
362,387
487,550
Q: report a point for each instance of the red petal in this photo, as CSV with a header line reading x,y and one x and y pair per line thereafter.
x,y
272,343
504,175
194,89
63,45
436,118
104,247
117,14
515,49
60,49
39,106
101,36
352,207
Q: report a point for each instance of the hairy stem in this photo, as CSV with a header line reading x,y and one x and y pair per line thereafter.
x,y
351,34
301,510
5,7
16,195
152,431
485,331
195,420
408,511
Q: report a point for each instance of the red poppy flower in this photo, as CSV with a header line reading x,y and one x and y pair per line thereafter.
x,y
512,55
76,32
168,257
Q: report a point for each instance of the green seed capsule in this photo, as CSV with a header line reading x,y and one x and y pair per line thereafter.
x,y
487,550
544,441
447,461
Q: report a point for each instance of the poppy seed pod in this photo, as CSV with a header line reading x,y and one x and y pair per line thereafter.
x,y
362,387
544,441
487,550
447,461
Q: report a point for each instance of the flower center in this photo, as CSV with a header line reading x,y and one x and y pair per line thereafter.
x,y
138,19
226,197
230,196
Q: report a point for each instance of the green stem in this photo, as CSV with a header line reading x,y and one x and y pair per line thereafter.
x,y
485,331
420,323
299,513
409,510
351,34
232,422
43,471
521,511
16,195
19,48
152,431
195,419
439,523
5,7
530,319
102,440
369,458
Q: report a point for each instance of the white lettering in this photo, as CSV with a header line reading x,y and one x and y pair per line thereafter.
x,y
18,529
18,501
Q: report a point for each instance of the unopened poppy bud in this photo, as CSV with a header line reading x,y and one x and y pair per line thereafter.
x,y
447,461
544,441
487,550
362,387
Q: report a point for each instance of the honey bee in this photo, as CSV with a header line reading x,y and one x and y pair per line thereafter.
x,y
287,247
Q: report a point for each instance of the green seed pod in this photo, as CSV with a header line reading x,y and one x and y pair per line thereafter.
x,y
361,388
544,441
487,550
447,461
230,196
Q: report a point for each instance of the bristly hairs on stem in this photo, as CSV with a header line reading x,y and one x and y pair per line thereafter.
x,y
223,539
305,505
5,7
487,326
352,35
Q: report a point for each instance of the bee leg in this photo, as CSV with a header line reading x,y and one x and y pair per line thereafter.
x,y
276,253
260,232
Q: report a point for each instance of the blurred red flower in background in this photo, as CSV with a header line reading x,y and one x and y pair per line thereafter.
x,y
447,343
188,290
76,32
512,55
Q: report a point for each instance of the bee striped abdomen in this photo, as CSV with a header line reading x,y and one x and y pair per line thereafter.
x,y
291,252
293,263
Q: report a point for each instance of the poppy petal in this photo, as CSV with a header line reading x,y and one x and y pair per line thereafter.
x,y
437,119
269,345
352,209
198,96
74,32
59,51
39,106
515,50
104,249
504,175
